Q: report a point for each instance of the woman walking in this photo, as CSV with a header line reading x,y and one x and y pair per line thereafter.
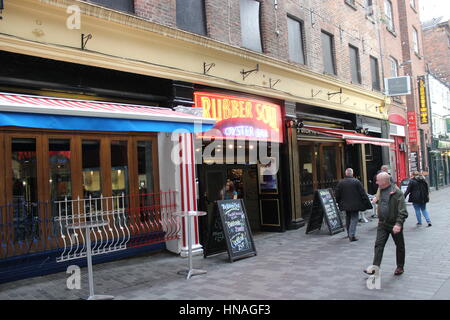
x,y
419,196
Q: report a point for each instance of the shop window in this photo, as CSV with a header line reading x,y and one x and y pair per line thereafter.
x,y
250,24
328,56
59,156
355,65
121,5
296,40
25,189
91,169
191,16
119,168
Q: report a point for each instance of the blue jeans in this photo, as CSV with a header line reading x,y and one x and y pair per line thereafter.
x,y
421,208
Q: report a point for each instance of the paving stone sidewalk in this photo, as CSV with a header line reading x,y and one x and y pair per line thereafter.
x,y
289,265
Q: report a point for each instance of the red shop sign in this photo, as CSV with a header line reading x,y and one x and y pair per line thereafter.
x,y
240,118
412,127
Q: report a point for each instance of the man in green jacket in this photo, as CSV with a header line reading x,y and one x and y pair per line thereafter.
x,y
392,214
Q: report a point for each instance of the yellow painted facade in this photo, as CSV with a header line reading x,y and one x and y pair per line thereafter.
x,y
128,43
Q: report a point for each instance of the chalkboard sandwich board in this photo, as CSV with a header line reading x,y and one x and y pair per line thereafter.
x,y
232,229
324,206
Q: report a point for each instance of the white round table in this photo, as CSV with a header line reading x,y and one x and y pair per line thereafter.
x,y
190,216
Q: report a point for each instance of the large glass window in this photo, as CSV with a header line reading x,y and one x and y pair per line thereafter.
x,y
25,189
92,186
250,24
295,31
191,16
375,73
355,64
328,53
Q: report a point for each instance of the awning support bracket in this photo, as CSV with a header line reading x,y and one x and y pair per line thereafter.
x,y
84,40
334,93
207,67
245,74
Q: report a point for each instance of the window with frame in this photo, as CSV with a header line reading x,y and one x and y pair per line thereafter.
x,y
412,3
121,5
393,66
355,65
374,70
369,7
191,16
250,24
328,56
389,14
415,40
296,39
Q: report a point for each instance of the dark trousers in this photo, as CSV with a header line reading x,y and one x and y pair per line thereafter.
x,y
351,221
382,237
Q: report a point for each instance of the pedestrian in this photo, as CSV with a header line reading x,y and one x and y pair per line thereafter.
x,y
384,168
392,214
351,198
228,192
418,192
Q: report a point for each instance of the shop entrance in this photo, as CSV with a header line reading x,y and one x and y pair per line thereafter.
x,y
245,181
320,168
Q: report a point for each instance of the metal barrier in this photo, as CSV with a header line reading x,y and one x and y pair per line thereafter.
x,y
133,221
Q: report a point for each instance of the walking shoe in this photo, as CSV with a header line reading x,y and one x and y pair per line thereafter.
x,y
418,224
369,273
398,271
429,224
353,239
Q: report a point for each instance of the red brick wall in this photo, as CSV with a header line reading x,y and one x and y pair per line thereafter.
x,y
437,50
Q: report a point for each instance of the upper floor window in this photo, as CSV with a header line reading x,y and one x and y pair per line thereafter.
x,y
393,66
355,64
415,40
375,73
295,32
369,7
328,56
412,3
389,14
191,16
250,24
121,5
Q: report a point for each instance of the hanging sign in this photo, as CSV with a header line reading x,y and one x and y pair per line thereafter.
x,y
240,118
423,107
412,127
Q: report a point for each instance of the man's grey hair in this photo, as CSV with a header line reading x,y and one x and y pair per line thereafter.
x,y
349,172
384,175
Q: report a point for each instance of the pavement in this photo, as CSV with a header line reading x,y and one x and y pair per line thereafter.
x,y
288,266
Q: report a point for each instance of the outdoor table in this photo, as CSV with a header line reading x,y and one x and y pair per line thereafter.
x,y
190,216
87,226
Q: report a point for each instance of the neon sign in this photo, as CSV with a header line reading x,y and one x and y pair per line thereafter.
x,y
240,118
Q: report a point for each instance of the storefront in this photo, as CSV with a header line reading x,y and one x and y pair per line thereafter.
x,y
54,149
327,144
242,148
397,131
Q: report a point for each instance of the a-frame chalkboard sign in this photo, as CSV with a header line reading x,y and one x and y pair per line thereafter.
x,y
324,206
230,231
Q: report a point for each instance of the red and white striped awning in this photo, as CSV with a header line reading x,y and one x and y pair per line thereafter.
x,y
352,137
18,110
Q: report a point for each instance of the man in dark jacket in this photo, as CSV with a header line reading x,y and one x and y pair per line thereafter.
x,y
351,198
391,214
419,196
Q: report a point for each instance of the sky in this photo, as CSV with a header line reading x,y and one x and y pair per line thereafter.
x,y
430,9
